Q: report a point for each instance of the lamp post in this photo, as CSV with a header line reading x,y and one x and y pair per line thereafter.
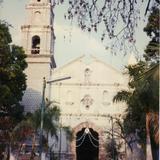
x,y
42,113
43,106
112,139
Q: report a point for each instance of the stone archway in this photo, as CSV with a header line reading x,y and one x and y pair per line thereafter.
x,y
87,144
81,126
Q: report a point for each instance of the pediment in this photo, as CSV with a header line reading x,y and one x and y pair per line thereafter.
x,y
90,70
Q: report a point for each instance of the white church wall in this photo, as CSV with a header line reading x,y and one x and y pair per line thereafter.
x,y
103,78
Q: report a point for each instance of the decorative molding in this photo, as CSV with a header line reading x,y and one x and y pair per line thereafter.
x,y
88,115
89,84
69,103
116,84
87,101
38,55
36,5
39,62
46,27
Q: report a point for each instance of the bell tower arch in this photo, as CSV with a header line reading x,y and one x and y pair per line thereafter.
x,y
38,42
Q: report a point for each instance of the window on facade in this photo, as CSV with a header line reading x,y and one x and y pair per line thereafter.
x,y
38,0
35,45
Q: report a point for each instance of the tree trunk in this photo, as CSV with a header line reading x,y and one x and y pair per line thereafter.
x,y
152,129
8,150
33,147
148,142
8,146
19,151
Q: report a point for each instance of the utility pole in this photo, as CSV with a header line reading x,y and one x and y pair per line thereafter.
x,y
60,136
43,107
112,139
42,113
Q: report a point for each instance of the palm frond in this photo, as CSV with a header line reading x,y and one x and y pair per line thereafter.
x,y
122,96
151,72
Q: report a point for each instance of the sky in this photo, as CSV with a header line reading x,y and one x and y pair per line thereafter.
x,y
70,42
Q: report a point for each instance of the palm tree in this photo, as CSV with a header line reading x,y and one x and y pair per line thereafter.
x,y
142,100
32,124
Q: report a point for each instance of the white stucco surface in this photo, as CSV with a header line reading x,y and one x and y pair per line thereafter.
x,y
87,97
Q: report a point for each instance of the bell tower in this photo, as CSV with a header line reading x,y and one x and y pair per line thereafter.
x,y
38,42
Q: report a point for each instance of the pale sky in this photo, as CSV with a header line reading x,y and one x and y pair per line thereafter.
x,y
71,42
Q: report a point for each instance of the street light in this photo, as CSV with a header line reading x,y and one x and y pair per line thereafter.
x,y
43,105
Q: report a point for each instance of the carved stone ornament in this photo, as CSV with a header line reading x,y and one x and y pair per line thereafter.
x,y
87,101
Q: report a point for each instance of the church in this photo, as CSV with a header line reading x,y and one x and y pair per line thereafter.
x,y
85,100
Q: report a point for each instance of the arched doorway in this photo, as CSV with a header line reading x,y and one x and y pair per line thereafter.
x,y
96,131
87,144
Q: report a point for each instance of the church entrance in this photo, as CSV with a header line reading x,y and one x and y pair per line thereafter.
x,y
87,144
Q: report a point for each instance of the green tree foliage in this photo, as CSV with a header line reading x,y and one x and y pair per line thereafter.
x,y
12,78
33,121
12,84
30,126
152,30
141,98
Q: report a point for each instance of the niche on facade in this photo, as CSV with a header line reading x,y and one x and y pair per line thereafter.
x,y
37,17
69,96
35,45
87,75
105,100
87,101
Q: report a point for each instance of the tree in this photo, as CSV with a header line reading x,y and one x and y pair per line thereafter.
x,y
12,77
152,30
31,125
116,138
143,95
111,149
141,98
12,83
116,19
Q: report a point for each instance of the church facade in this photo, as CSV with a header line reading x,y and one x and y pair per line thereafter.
x,y
85,100
86,103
